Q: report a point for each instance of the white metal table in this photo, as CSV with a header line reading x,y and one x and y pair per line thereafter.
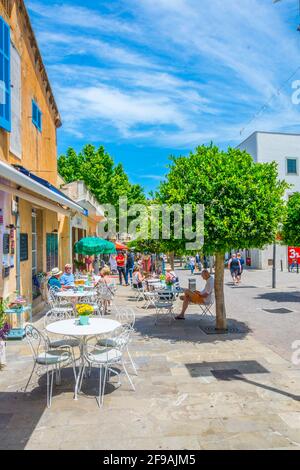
x,y
69,294
96,326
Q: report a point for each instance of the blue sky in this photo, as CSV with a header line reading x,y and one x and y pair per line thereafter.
x,y
150,78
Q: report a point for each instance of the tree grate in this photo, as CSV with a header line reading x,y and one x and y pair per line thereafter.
x,y
231,330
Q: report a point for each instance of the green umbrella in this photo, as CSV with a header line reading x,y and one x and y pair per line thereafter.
x,y
94,246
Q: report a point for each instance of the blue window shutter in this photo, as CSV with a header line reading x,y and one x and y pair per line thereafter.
x,y
36,116
5,105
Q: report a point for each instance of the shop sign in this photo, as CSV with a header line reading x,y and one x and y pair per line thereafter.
x,y
293,254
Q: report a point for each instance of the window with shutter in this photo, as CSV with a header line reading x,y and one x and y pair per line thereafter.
x,y
5,110
36,116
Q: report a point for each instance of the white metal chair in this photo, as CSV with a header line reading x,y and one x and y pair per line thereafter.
x,y
105,357
58,304
207,309
164,305
50,359
126,316
52,316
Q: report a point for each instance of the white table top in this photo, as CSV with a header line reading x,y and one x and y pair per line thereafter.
x,y
71,293
97,326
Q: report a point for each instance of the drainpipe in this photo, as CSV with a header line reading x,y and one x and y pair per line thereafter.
x,y
18,256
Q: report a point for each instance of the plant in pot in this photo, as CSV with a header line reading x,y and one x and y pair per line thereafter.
x,y
84,311
4,329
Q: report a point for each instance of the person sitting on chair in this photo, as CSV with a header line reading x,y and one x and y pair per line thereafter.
x,y
196,297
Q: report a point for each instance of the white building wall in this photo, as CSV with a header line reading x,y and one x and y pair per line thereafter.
x,y
267,147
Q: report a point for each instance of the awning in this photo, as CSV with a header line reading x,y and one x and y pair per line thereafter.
x,y
120,246
26,180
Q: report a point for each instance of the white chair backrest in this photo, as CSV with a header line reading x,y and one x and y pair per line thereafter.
x,y
56,315
37,341
126,316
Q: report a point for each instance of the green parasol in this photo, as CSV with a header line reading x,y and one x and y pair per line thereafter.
x,y
94,246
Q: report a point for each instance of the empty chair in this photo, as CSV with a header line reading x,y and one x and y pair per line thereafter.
x,y
164,305
126,316
105,357
50,359
52,316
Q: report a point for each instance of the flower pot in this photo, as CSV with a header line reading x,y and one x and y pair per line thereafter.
x,y
84,320
2,353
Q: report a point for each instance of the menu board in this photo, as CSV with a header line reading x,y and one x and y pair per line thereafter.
x,y
23,247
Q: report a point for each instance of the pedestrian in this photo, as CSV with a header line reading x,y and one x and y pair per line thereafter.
x,y
120,259
242,262
192,262
129,266
235,266
96,266
198,262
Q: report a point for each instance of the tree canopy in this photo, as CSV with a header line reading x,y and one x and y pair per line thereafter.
x,y
242,199
243,203
291,227
106,181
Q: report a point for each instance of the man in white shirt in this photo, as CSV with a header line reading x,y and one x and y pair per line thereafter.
x,y
196,297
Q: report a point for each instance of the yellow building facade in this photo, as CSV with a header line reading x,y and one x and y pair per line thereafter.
x,y
31,209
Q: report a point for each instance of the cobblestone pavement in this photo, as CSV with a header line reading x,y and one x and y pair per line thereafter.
x,y
246,303
193,390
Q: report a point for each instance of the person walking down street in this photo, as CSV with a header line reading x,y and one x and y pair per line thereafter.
x,y
198,262
129,266
242,262
235,266
192,264
120,259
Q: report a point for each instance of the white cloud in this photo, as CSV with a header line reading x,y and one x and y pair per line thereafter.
x,y
179,73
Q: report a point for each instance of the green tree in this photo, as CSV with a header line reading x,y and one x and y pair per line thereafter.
x,y
243,203
291,227
106,181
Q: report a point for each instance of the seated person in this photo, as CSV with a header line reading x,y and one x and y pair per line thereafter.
x,y
54,281
171,276
67,279
137,278
196,297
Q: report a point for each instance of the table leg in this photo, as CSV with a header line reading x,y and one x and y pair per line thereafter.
x,y
81,368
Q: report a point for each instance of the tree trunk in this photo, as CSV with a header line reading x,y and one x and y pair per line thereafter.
x,y
221,322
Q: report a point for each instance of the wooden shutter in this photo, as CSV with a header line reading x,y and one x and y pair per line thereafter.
x,y
5,111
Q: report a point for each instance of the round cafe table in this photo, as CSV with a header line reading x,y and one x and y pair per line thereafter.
x,y
96,326
69,294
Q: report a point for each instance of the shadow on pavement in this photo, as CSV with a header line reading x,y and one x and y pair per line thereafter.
x,y
19,416
280,297
194,329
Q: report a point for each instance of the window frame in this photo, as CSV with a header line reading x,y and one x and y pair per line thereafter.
x,y
286,166
36,115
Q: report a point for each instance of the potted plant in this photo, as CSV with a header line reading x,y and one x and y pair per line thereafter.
x,y
84,311
4,329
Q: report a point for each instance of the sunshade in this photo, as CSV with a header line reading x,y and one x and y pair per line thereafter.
x,y
120,246
94,246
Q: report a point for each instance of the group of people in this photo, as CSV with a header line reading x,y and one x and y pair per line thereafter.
x,y
236,266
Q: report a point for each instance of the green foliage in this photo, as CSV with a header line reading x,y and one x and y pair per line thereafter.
x,y
106,181
242,199
291,227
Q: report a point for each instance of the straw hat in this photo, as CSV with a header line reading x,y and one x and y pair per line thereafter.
x,y
55,272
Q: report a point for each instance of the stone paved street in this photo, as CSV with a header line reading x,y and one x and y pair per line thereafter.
x,y
184,397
